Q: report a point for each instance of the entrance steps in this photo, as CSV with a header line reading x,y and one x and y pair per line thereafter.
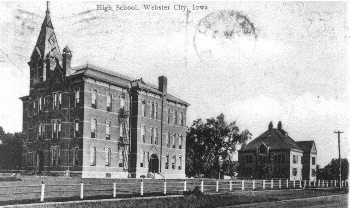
x,y
155,175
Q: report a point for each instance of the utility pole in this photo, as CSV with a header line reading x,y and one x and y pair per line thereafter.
x,y
339,132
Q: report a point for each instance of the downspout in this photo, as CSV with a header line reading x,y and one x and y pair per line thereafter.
x,y
161,133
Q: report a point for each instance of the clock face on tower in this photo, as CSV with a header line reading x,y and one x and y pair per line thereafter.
x,y
224,34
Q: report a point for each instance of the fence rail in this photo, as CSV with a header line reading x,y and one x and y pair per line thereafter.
x,y
143,187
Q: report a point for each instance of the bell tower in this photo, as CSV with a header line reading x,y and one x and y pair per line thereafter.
x,y
46,54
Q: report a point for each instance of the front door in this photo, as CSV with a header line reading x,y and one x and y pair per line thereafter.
x,y
154,164
40,161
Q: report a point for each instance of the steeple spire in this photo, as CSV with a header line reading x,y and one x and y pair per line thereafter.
x,y
47,7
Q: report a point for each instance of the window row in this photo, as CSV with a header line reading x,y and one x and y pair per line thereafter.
x,y
109,103
55,156
122,130
173,162
277,158
107,156
56,129
177,118
154,137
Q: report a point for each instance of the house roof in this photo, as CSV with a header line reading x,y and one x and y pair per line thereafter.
x,y
306,146
119,79
274,139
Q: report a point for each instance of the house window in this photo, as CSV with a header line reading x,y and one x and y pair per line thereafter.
x,y
108,126
174,138
262,149
295,171
152,110
76,128
143,108
181,119
167,162
180,142
152,135
168,139
55,156
92,156
121,158
121,132
295,159
75,157
175,117
40,104
93,128
180,162
155,136
77,98
313,161
173,162
54,130
156,111
283,158
59,100
168,118
54,97
142,159
143,134
279,158
109,102
313,172
94,99
122,102
41,131
107,157
59,128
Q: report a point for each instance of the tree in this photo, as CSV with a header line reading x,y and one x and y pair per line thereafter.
x,y
331,171
10,150
210,142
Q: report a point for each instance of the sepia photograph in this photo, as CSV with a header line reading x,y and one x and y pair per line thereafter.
x,y
174,104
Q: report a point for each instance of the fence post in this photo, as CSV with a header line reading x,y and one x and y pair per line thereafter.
x,y
319,181
304,184
81,189
185,185
217,186
309,183
331,183
253,184
242,184
342,183
263,184
202,186
114,189
287,183
271,183
230,184
322,183
279,184
294,183
300,184
141,187
315,183
327,183
164,186
42,191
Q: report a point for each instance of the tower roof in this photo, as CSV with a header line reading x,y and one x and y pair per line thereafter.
x,y
46,45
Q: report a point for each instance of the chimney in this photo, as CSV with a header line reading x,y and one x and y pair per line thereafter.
x,y
270,126
279,125
162,84
67,59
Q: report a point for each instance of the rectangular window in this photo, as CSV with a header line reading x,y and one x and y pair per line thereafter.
x,y
121,158
181,119
75,157
313,172
94,99
180,162
295,159
53,156
313,160
175,117
174,138
39,131
152,110
76,128
109,103
142,159
180,142
77,98
168,139
107,157
295,171
59,128
143,134
173,162
121,132
59,102
167,162
54,130
143,108
283,158
54,97
108,126
92,156
155,136
40,103
152,135
168,118
93,128
156,111
122,102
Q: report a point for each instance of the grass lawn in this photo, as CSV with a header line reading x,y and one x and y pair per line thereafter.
x,y
210,200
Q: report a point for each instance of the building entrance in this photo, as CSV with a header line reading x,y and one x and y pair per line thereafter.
x,y
154,164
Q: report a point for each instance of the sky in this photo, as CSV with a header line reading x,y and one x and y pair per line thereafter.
x,y
255,62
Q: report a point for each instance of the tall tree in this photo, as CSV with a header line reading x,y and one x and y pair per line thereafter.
x,y
331,171
210,142
10,150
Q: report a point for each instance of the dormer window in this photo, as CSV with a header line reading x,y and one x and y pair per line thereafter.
x,y
262,149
